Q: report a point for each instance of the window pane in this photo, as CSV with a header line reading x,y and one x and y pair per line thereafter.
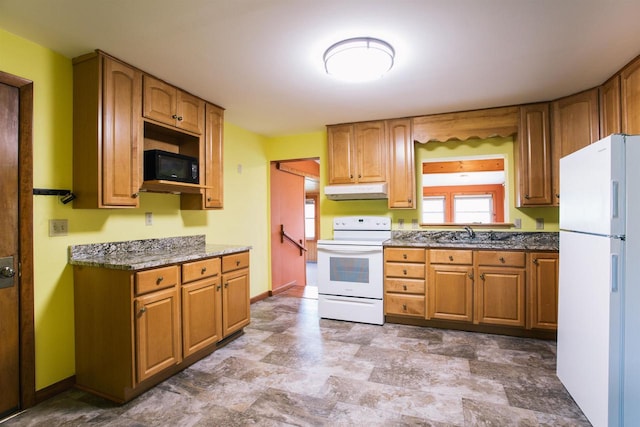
x,y
473,208
309,219
433,209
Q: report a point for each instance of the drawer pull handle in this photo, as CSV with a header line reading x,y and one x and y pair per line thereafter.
x,y
159,279
404,307
204,270
502,260
404,287
482,276
218,288
226,285
471,275
450,257
535,261
404,272
237,263
174,117
143,310
404,256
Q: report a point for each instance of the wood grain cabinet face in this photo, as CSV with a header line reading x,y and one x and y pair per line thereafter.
x,y
402,177
576,124
404,282
543,290
107,133
158,337
236,312
357,153
610,114
630,98
169,105
534,157
450,285
500,288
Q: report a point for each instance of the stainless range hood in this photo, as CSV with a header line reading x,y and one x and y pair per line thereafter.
x,y
369,191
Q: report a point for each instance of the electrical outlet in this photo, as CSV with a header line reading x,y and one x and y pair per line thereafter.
x,y
58,227
400,223
148,218
414,223
517,223
539,223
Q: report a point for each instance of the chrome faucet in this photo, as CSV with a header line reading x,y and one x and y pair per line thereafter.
x,y
470,232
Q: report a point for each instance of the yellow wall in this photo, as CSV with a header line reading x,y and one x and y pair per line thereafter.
x,y
243,220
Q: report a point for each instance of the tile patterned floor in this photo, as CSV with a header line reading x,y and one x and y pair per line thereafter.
x,y
292,369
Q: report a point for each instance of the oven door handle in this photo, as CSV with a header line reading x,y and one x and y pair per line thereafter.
x,y
350,251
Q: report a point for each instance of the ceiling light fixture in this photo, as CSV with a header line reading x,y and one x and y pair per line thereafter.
x,y
359,59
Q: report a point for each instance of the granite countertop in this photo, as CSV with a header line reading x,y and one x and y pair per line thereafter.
x,y
530,241
141,254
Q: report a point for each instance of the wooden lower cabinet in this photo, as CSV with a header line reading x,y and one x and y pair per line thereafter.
x,y
543,290
133,329
488,290
236,313
404,282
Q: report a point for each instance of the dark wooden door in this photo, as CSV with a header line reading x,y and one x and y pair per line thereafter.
x,y
9,308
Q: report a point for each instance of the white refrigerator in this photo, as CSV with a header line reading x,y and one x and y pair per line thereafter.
x,y
598,352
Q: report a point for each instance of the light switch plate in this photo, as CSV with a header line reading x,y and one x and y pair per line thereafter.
x,y
400,223
539,223
517,223
58,227
148,218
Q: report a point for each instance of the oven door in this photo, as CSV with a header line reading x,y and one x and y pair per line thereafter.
x,y
350,270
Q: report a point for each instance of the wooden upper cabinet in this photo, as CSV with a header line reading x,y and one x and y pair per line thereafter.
x,y
533,150
213,167
630,97
107,132
169,105
402,179
610,117
576,124
371,152
357,153
341,146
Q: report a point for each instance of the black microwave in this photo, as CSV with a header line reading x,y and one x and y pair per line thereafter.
x,y
168,166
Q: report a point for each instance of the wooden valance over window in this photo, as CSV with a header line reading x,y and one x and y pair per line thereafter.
x,y
481,124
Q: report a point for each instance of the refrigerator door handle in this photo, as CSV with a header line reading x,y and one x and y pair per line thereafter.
x,y
614,199
614,273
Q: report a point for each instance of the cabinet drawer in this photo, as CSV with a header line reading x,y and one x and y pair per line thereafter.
x,y
404,254
235,261
405,305
406,286
501,258
200,269
158,278
401,269
450,256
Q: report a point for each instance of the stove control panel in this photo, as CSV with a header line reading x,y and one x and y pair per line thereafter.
x,y
362,223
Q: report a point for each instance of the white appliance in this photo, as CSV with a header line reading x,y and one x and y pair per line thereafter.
x,y
350,276
372,190
598,353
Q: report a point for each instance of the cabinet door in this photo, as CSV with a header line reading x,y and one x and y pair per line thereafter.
x,y
610,107
213,171
341,146
157,332
576,124
371,151
630,98
159,101
190,112
534,156
121,134
235,301
402,176
543,291
201,315
500,296
450,292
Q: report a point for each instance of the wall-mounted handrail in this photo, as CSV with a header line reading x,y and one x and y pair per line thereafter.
x,y
284,235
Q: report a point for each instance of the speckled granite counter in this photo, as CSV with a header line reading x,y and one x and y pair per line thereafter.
x,y
530,241
141,254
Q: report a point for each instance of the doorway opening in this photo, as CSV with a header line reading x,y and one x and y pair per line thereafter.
x,y
295,226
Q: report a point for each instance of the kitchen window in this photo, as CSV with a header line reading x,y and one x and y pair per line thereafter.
x,y
479,204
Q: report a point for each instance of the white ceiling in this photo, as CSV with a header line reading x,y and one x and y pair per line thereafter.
x,y
262,59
